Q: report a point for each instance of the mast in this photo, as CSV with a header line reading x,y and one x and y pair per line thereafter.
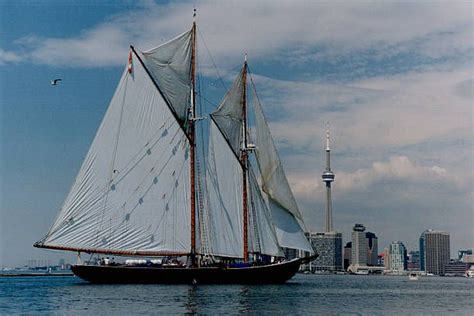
x,y
244,158
192,142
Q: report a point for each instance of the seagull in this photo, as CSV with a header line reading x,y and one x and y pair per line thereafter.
x,y
54,82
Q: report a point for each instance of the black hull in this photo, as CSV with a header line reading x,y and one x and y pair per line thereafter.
x,y
267,274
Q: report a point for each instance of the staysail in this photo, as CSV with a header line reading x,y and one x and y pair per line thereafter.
x,y
284,210
224,208
131,195
224,198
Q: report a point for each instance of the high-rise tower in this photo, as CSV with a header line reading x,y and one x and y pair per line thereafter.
x,y
328,177
328,244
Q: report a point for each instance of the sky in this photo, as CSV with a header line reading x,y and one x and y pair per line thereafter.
x,y
394,79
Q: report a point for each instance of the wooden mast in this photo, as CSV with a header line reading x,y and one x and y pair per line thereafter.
x,y
244,158
192,143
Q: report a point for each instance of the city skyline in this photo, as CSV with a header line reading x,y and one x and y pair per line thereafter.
x,y
399,101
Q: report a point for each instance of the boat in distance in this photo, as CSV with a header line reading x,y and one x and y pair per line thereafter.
x,y
159,181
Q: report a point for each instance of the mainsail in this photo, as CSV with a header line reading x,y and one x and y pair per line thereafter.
x,y
132,192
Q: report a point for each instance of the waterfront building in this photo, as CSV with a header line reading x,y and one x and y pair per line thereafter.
x,y
456,268
414,260
423,250
372,249
329,248
465,255
386,258
291,253
359,245
398,256
347,255
328,244
437,251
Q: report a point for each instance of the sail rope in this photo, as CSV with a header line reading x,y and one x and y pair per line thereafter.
x,y
212,60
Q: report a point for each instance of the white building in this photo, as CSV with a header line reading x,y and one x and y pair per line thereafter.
x,y
397,256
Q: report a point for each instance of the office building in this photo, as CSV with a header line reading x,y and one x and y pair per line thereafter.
x,y
414,260
347,255
359,245
329,248
398,256
423,250
372,249
386,258
436,251
456,268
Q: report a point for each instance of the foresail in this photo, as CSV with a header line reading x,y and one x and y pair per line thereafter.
x,y
170,66
132,191
263,238
223,209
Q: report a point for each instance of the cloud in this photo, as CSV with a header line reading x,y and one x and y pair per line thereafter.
x,y
270,30
8,57
397,170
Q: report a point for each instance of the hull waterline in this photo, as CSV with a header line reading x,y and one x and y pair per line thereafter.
x,y
266,274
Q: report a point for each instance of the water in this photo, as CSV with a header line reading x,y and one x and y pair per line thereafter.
x,y
304,294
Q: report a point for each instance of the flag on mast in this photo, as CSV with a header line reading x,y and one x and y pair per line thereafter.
x,y
130,63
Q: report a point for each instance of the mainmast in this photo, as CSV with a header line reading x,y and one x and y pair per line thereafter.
x,y
244,158
192,142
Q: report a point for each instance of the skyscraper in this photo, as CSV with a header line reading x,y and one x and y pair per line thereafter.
x,y
398,256
437,251
359,245
372,249
423,250
328,244
347,255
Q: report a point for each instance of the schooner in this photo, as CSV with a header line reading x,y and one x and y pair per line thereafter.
x,y
140,192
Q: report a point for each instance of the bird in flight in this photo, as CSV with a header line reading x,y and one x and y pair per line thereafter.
x,y
54,82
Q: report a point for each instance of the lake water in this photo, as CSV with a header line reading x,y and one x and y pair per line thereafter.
x,y
304,294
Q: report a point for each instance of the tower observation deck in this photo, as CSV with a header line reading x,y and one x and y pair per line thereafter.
x,y
328,177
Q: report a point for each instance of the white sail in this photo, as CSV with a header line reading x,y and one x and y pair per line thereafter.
x,y
170,66
287,228
229,114
132,192
263,238
224,209
282,204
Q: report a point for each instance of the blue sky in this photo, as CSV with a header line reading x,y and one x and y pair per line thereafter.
x,y
394,79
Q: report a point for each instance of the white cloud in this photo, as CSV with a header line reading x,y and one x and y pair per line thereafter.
x,y
397,170
8,57
269,28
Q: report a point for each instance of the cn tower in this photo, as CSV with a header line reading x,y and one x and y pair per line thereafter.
x,y
328,177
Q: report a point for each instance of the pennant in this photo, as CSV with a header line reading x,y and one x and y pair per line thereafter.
x,y
130,63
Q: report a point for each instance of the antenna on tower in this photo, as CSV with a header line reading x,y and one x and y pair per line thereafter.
x,y
327,136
